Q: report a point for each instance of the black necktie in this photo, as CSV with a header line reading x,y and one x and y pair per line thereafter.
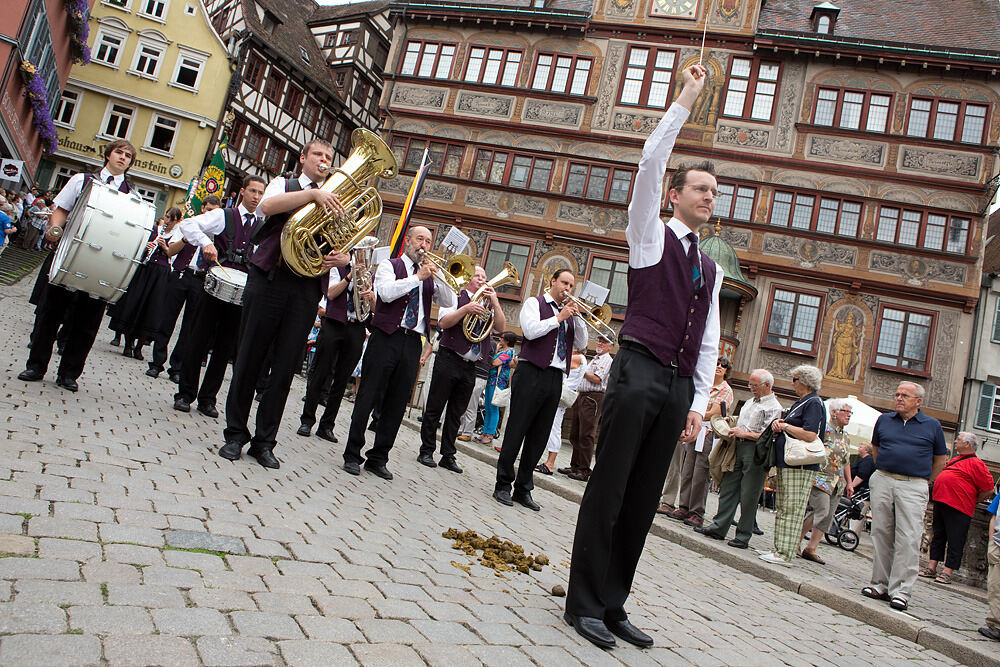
x,y
111,179
248,224
694,259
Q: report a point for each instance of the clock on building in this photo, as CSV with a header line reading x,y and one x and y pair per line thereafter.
x,y
678,9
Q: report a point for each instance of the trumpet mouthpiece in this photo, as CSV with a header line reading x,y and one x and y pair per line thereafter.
x,y
324,167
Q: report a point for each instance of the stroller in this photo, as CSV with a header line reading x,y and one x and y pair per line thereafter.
x,y
848,509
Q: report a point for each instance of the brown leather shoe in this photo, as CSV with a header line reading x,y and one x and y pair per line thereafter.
x,y
679,514
811,555
464,438
693,520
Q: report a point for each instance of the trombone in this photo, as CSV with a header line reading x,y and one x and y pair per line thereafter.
x,y
454,272
595,317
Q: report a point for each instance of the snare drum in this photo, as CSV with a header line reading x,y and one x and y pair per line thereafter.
x,y
226,284
103,241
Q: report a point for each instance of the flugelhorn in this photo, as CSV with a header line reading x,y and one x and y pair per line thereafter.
x,y
477,327
312,232
361,275
454,272
594,316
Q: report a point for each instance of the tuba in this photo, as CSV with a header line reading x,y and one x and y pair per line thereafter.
x,y
312,233
595,317
477,327
361,254
454,272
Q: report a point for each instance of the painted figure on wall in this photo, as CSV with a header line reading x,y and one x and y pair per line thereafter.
x,y
845,347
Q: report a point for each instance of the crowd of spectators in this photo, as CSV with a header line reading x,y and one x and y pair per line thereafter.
x,y
24,217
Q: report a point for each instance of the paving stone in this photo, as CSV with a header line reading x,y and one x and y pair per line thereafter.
x,y
58,592
156,597
114,532
300,585
387,655
18,545
11,524
132,554
105,572
499,633
85,511
11,505
299,569
252,565
267,548
127,651
236,651
66,494
46,526
171,576
111,620
189,539
402,591
36,568
501,656
190,560
58,650
6,590
313,653
344,607
446,656
52,547
378,630
192,622
184,523
144,519
241,582
284,603
31,618
340,630
445,632
221,598
263,624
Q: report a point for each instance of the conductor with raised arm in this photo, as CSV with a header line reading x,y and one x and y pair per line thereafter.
x,y
659,382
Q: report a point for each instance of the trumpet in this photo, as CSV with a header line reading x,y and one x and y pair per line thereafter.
x,y
477,327
594,316
361,274
453,273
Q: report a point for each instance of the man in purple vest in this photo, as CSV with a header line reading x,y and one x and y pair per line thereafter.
x,y
279,307
81,312
552,329
454,374
404,287
659,382
223,235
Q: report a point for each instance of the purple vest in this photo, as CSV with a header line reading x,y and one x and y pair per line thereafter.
x,y
452,337
124,187
183,258
389,315
265,255
232,249
539,351
336,309
665,311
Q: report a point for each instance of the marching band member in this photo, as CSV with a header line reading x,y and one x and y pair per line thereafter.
x,y
222,235
552,330
81,312
659,382
454,374
404,287
279,307
338,349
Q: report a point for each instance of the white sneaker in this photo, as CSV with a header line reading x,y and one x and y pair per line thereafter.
x,y
771,557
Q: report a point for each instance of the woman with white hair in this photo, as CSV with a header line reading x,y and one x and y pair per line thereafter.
x,y
805,420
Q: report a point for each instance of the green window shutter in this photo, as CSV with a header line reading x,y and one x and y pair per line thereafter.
x,y
996,323
984,413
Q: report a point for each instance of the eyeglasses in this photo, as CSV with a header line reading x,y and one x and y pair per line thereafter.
x,y
704,189
754,386
902,395
723,364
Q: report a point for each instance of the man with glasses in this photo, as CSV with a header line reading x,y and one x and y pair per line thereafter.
x,y
743,485
909,451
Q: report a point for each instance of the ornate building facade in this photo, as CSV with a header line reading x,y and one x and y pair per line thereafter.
x,y
855,146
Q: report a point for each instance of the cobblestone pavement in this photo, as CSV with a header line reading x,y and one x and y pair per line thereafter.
x,y
129,541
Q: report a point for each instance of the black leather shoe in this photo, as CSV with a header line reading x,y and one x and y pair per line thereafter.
x,y
174,376
152,372
231,451
503,497
378,469
709,531
625,630
127,350
181,405
352,468
592,629
525,499
117,340
737,544
757,531
265,457
137,353
326,434
449,464
208,409
304,430
30,376
427,460
67,383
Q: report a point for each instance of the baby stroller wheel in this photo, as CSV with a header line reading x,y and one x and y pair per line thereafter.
x,y
831,538
848,540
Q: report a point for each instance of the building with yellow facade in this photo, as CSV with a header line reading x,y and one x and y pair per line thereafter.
x,y
158,77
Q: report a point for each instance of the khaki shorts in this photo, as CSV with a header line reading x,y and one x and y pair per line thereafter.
x,y
822,507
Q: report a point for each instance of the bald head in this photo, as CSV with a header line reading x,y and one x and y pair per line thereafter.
x,y
417,238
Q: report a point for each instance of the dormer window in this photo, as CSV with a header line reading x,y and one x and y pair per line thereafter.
x,y
824,17
304,55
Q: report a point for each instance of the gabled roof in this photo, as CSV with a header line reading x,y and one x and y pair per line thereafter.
x,y
947,24
563,8
330,13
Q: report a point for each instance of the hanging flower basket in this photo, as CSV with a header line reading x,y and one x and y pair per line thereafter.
x,y
34,90
79,29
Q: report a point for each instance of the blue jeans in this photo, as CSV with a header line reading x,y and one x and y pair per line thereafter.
x,y
492,412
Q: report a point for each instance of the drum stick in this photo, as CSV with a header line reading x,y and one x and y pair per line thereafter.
x,y
223,269
704,31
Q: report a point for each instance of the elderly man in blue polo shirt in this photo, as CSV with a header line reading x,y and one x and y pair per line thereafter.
x,y
909,451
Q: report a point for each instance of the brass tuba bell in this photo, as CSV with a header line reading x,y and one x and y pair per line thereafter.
x,y
477,327
312,233
454,272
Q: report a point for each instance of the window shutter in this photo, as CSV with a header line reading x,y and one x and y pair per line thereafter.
x,y
985,411
996,324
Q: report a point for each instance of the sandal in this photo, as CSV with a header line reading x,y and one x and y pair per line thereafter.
x,y
943,578
927,573
544,469
873,593
898,603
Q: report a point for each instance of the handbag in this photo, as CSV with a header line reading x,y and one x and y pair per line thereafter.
x,y
567,397
501,397
763,452
802,453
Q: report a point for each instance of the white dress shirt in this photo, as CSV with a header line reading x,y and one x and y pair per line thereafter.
x,y
388,288
277,186
533,326
601,367
67,197
645,239
475,351
758,413
201,229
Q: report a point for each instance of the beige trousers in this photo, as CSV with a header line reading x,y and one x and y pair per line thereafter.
x,y
993,584
898,508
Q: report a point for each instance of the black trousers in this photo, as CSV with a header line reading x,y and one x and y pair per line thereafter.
x,y
82,315
644,412
452,381
217,327
183,291
189,321
951,527
388,372
278,312
338,349
534,398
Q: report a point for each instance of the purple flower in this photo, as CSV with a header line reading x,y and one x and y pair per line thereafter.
x,y
79,13
34,91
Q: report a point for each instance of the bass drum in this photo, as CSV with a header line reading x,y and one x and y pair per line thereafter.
x,y
103,242
226,284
